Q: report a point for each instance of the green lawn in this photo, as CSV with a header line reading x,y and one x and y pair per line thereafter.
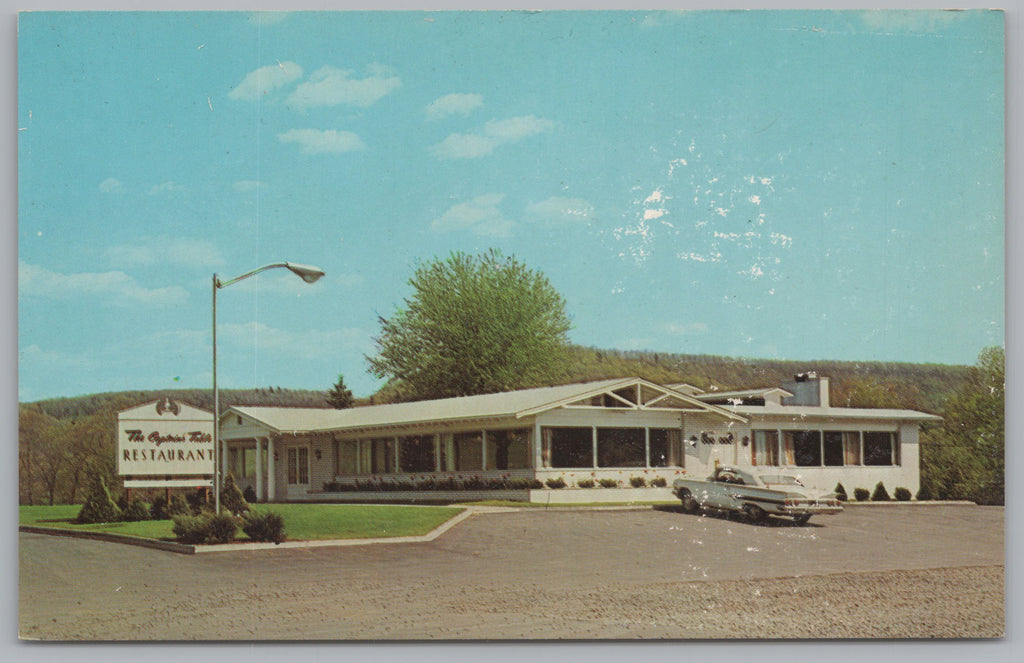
x,y
303,522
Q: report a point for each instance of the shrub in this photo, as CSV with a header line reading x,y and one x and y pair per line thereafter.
x,y
231,498
267,526
99,507
840,493
555,482
222,528
880,494
925,493
474,483
199,501
585,483
608,483
535,484
191,529
659,482
902,494
158,509
249,494
137,510
523,484
178,507
637,482
861,494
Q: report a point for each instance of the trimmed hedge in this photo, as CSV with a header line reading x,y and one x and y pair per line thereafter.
x,y
268,526
880,494
902,494
861,494
840,493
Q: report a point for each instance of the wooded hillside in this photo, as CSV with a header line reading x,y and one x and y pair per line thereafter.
x,y
63,439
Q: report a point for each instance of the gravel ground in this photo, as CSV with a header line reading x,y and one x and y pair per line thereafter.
x,y
649,574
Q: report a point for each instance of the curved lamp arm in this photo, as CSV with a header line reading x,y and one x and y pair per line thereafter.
x,y
305,272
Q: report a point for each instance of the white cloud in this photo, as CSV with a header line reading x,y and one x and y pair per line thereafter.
x,y
165,187
494,134
453,104
560,211
110,185
306,344
480,216
265,80
316,141
244,186
166,250
329,86
33,354
35,281
654,214
686,328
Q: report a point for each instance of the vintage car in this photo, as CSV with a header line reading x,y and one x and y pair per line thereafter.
x,y
755,494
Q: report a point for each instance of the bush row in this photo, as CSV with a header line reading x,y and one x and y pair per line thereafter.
x,y
100,507
880,494
221,528
478,483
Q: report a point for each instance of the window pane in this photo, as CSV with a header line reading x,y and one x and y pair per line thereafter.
x,y
303,465
878,448
467,452
347,457
659,447
806,447
508,449
620,447
292,466
382,455
571,447
766,447
833,448
852,447
416,453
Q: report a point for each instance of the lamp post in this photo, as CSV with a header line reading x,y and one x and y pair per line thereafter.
x,y
304,272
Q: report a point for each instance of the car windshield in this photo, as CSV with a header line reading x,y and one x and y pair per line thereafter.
x,y
780,480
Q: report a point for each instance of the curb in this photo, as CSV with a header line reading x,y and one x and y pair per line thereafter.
x,y
167,546
186,549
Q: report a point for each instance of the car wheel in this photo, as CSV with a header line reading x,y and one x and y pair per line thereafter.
x,y
754,513
690,505
801,520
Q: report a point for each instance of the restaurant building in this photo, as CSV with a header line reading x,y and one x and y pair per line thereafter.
x,y
629,433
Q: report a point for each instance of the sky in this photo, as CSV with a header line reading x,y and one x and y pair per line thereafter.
x,y
794,185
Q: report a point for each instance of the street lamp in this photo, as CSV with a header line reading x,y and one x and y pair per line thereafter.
x,y
304,272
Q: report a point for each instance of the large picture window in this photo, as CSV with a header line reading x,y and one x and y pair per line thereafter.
x,y
805,446
508,449
620,447
416,453
879,448
666,447
467,452
569,447
766,447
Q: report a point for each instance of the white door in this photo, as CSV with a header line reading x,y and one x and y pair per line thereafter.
x,y
297,471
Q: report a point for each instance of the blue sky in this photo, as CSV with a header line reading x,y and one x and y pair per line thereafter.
x,y
798,185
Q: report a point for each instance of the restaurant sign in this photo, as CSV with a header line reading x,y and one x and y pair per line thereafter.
x,y
164,438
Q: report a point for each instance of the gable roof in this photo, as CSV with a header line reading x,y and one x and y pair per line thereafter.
x,y
744,393
510,404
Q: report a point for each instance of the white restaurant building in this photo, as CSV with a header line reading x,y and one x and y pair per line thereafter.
x,y
619,429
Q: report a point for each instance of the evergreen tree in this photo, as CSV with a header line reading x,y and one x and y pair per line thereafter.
x,y
231,497
340,396
99,507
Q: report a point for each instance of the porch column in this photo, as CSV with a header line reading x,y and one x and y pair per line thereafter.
x,y
593,441
538,450
270,469
259,470
437,453
483,450
647,441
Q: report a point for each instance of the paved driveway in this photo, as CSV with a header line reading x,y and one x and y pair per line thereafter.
x,y
580,573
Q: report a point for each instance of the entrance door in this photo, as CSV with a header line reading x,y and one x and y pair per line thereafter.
x,y
298,471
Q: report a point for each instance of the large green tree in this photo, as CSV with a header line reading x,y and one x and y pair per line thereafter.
x,y
473,325
965,458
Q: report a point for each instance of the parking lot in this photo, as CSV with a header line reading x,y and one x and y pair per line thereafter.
x,y
885,571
